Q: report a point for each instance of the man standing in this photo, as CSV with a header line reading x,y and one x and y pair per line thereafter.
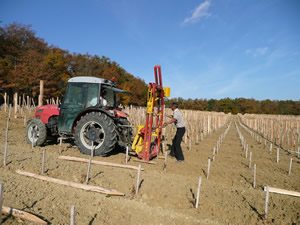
x,y
177,119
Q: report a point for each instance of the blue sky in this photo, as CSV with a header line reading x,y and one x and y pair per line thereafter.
x,y
207,48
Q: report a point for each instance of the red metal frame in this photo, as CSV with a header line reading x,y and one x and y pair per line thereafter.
x,y
158,102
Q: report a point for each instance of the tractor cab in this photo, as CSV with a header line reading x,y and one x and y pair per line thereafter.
x,y
85,94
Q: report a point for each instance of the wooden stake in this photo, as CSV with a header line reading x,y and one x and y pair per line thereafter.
x,y
25,120
76,159
90,163
208,169
165,163
270,148
282,191
5,104
41,96
198,192
246,154
138,180
16,104
290,167
6,137
72,215
21,214
60,145
277,158
1,202
250,159
126,158
214,154
71,184
33,134
28,102
43,161
267,201
33,103
254,176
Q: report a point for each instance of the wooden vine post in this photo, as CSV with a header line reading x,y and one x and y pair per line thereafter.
x,y
72,222
267,202
254,176
126,157
41,96
138,180
43,161
290,167
208,169
16,104
5,103
6,137
1,202
90,163
198,192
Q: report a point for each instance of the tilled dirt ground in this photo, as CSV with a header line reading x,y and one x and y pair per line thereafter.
x,y
165,197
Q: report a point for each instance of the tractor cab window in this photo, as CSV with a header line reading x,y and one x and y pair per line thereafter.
x,y
93,95
75,95
81,95
109,97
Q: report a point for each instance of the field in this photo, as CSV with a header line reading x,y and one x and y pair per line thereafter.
x,y
165,196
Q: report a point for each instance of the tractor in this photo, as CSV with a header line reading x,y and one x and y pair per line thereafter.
x,y
89,113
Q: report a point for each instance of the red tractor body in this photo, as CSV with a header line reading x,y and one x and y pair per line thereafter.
x,y
45,112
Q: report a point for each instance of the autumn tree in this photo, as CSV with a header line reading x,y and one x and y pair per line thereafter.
x,y
25,59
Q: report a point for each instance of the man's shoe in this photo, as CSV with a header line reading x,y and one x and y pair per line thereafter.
x,y
180,161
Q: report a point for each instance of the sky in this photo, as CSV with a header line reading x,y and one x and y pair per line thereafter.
x,y
206,48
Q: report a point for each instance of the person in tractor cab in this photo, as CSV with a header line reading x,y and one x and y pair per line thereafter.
x,y
177,119
102,98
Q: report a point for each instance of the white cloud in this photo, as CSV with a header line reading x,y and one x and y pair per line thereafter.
x,y
257,51
200,11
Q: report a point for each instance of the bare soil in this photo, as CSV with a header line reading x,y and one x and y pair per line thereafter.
x,y
165,197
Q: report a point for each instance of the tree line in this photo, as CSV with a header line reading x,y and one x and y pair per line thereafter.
x,y
239,105
25,59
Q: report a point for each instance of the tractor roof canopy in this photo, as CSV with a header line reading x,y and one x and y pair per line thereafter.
x,y
93,80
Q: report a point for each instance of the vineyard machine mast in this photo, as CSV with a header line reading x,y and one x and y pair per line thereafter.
x,y
147,142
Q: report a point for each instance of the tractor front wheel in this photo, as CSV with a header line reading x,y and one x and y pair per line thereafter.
x,y
36,132
96,128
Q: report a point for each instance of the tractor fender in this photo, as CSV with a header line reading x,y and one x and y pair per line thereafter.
x,y
120,114
88,110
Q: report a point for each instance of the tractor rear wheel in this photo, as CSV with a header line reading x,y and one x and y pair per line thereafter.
x,y
36,132
98,128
